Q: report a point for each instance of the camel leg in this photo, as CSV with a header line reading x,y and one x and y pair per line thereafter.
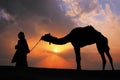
x,y
101,52
103,60
110,59
78,58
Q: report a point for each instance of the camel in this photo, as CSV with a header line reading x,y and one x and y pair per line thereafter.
x,y
80,37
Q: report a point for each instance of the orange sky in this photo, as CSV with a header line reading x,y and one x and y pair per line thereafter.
x,y
59,17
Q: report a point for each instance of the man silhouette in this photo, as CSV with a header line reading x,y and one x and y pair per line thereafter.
x,y
22,50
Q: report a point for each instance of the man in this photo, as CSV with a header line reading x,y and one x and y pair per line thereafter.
x,y
22,50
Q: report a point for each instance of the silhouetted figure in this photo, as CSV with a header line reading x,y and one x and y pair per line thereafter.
x,y
80,37
22,50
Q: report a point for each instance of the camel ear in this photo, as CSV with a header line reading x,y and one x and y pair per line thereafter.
x,y
91,25
49,33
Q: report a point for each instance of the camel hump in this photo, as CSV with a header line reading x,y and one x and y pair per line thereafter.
x,y
85,30
90,27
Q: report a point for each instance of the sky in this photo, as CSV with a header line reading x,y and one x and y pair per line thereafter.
x,y
58,17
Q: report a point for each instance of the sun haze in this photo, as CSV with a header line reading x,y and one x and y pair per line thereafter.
x,y
56,50
58,17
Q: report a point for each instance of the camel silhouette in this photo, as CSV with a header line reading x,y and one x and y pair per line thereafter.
x,y
80,37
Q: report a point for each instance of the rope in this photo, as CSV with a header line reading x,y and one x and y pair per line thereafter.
x,y
35,45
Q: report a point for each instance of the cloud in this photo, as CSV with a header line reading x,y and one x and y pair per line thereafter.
x,y
5,19
4,15
36,18
30,13
103,15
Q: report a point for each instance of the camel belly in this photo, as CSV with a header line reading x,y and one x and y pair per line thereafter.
x,y
82,43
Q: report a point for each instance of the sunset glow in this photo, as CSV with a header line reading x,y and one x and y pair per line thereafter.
x,y
58,17
53,61
56,50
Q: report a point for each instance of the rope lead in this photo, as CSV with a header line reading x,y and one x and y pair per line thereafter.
x,y
35,45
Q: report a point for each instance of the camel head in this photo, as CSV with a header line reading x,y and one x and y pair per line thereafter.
x,y
48,38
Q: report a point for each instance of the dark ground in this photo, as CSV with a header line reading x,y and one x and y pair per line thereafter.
x,y
16,73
